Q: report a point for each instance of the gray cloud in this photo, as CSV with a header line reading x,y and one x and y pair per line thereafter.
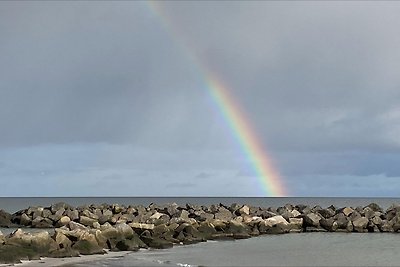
x,y
318,80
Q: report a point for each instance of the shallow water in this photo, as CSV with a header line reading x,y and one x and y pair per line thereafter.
x,y
304,249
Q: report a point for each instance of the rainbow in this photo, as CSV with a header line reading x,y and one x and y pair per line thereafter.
x,y
235,117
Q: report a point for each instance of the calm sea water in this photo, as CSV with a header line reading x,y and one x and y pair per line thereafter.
x,y
304,249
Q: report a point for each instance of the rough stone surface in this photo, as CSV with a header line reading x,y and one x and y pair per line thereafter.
x,y
312,219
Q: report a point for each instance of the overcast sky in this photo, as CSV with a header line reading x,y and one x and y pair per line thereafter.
x,y
109,99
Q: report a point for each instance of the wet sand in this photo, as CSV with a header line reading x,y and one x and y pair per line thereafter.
x,y
65,262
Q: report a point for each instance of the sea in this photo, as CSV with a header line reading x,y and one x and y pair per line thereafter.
x,y
300,249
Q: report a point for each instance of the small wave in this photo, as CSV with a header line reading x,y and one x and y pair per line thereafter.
x,y
185,265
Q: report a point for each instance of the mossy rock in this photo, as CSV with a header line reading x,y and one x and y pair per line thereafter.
x,y
66,252
86,247
158,243
14,254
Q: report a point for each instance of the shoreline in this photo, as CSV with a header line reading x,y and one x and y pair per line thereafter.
x,y
65,262
94,229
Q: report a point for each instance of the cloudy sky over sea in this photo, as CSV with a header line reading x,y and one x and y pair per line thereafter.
x,y
111,98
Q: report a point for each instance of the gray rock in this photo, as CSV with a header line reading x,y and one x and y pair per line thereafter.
x,y
72,214
327,213
207,229
40,222
387,226
375,207
64,220
376,220
341,220
157,243
245,210
368,212
347,211
274,225
124,230
86,247
329,224
312,219
295,213
74,225
142,226
87,221
58,206
204,216
223,214
46,213
355,215
295,223
25,220
172,209
127,245
62,240
182,214
360,224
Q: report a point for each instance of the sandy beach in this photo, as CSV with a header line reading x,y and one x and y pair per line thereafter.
x,y
64,262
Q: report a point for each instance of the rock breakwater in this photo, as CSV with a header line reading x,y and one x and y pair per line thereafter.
x,y
93,229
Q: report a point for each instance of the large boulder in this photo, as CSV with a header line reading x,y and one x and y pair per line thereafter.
x,y
205,216
274,225
368,212
245,210
40,222
141,226
360,224
238,229
87,247
43,243
10,254
62,240
72,214
87,221
296,224
64,220
181,216
207,229
375,207
155,242
40,242
347,211
387,226
312,219
124,230
25,220
64,253
127,245
341,220
223,214
329,224
74,225
59,206
327,213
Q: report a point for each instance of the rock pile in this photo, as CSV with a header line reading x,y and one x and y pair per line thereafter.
x,y
92,229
